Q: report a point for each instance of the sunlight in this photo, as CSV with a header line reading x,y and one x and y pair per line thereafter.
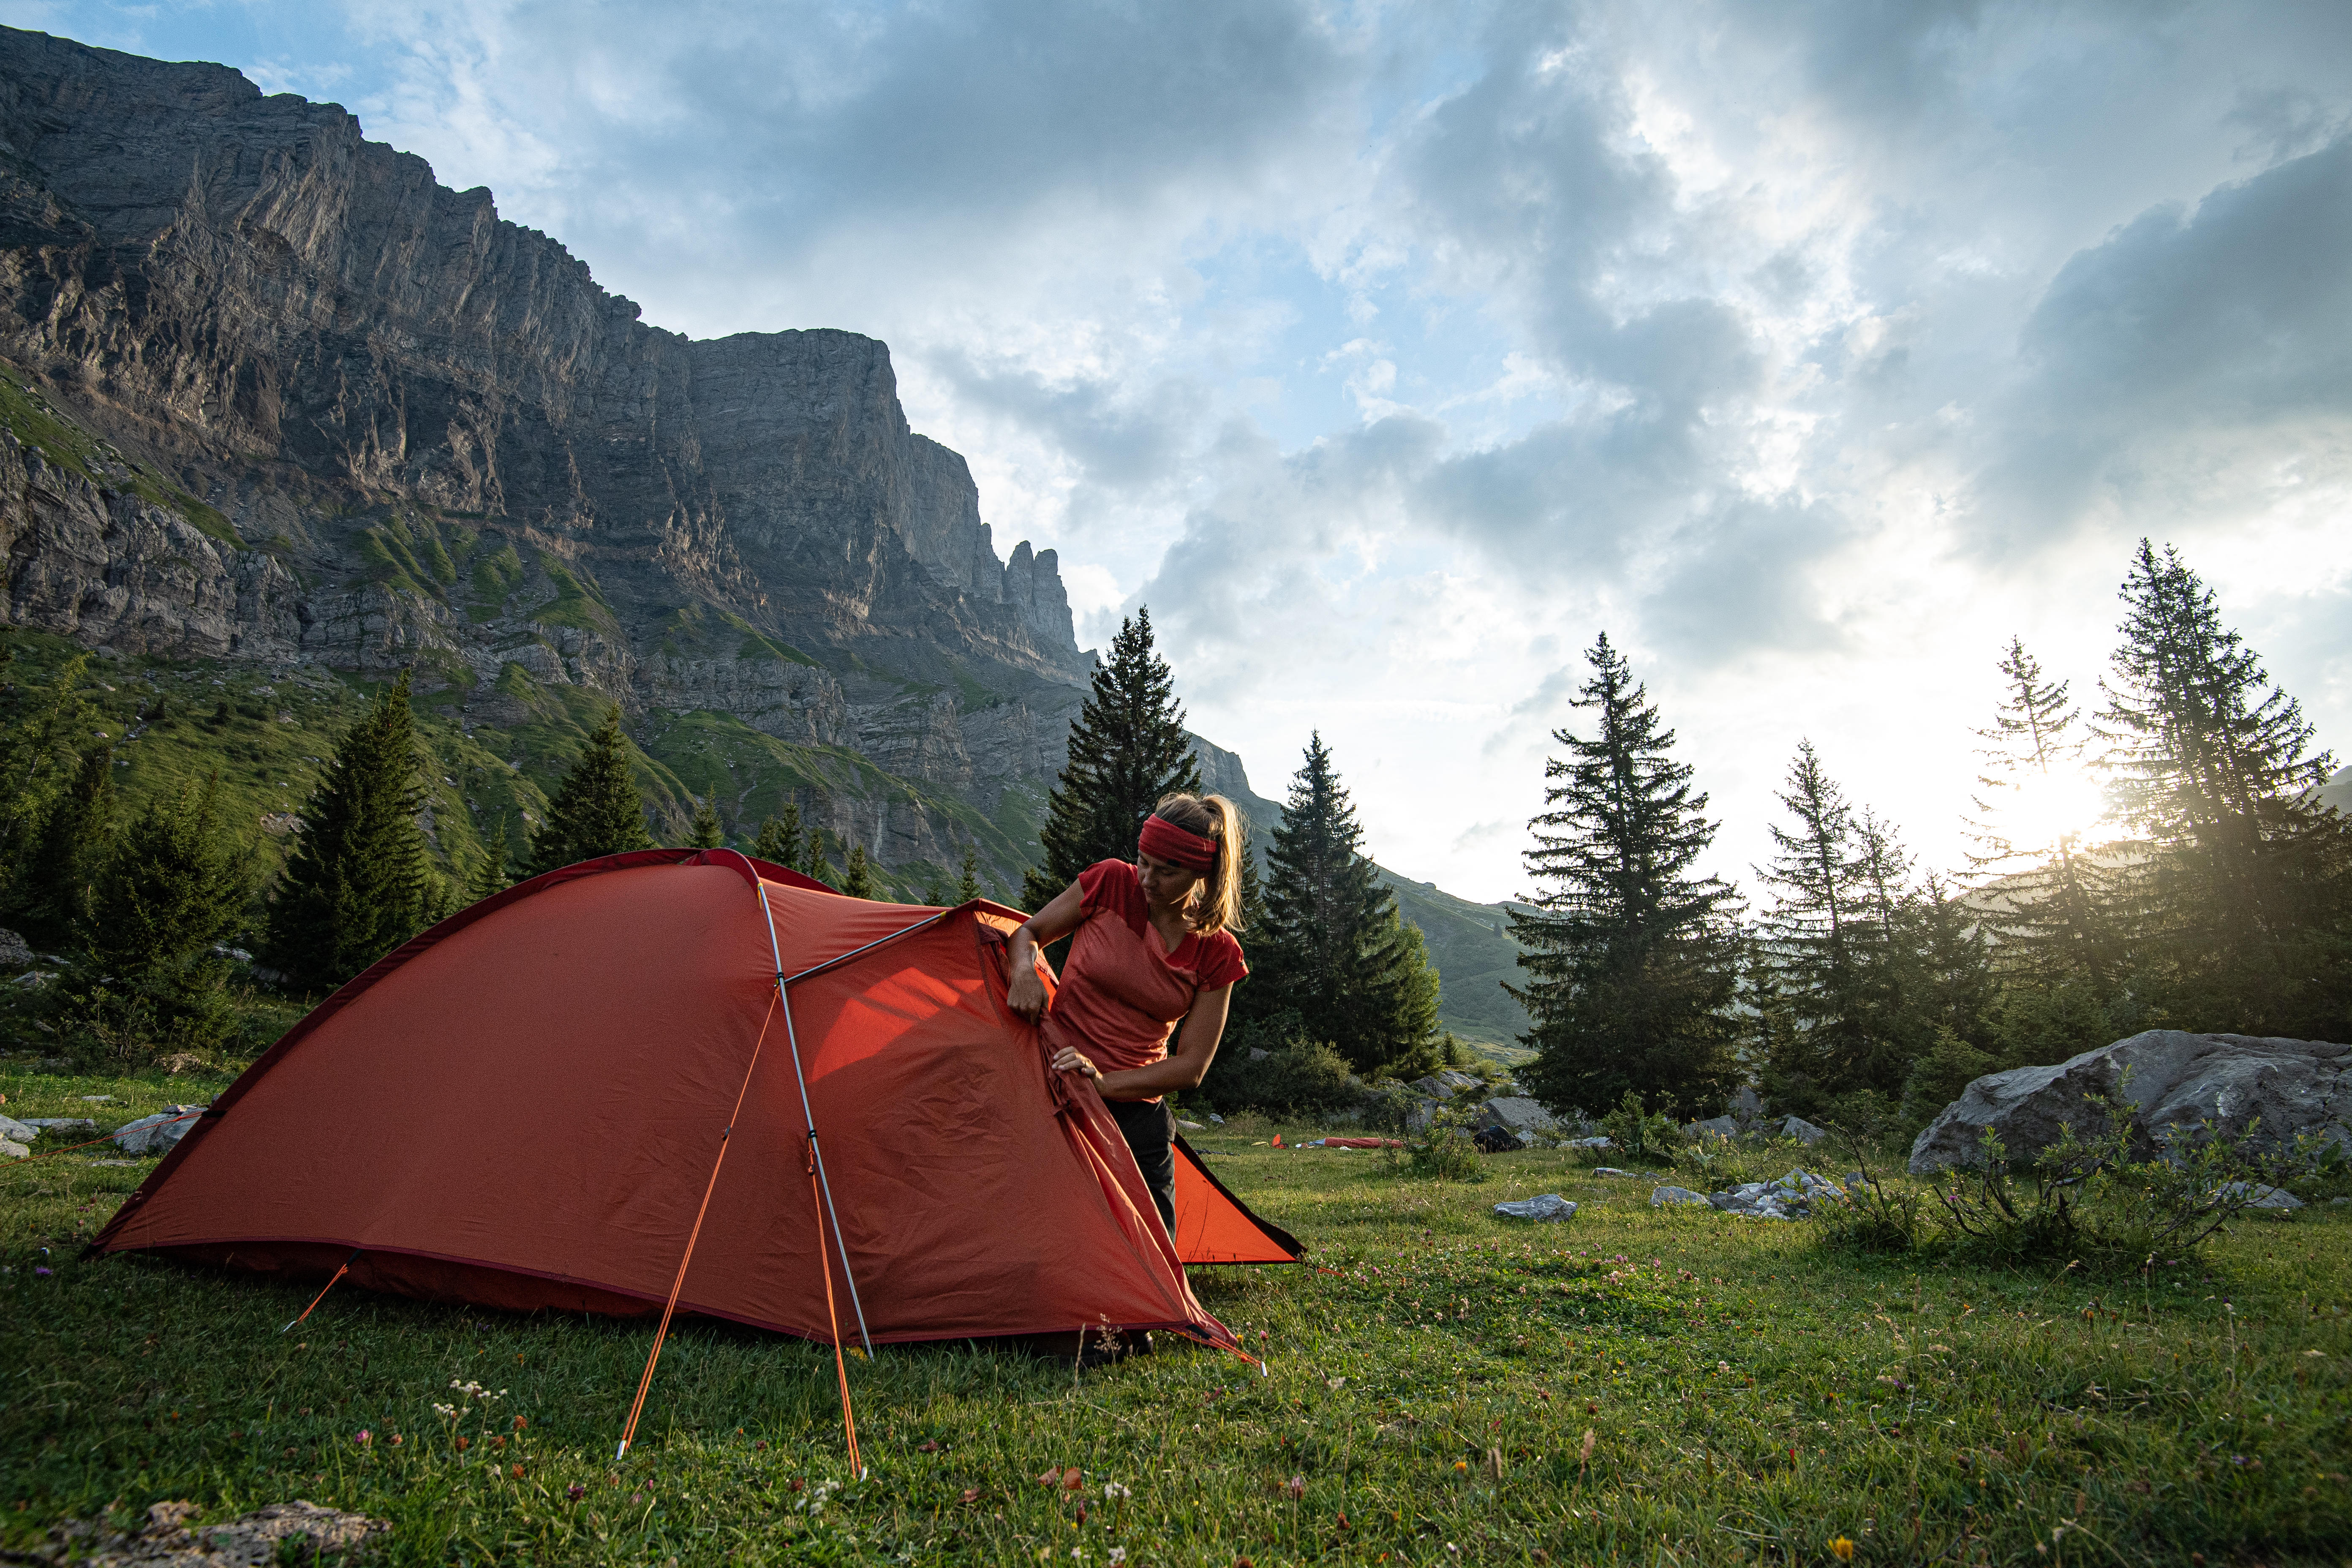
x,y
2049,810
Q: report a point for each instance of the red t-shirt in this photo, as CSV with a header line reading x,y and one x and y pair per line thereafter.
x,y
1122,993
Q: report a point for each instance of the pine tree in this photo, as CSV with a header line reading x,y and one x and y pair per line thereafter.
x,y
2047,912
597,809
489,874
1818,937
1127,749
813,862
1334,947
779,839
47,723
173,887
1632,957
706,831
968,884
857,880
53,892
358,882
2242,894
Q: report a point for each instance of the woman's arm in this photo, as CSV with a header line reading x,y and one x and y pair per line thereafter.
x,y
1025,992
1183,1067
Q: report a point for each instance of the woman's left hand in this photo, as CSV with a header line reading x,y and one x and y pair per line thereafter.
x,y
1068,1060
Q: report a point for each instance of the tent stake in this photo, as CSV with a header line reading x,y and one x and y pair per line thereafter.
x,y
329,1284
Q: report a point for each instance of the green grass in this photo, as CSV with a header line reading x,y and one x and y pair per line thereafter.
x,y
1752,1397
62,440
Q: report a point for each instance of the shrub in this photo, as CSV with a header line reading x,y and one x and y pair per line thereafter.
x,y
1444,1150
1639,1134
1297,1075
1940,1076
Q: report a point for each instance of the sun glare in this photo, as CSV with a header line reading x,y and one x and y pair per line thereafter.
x,y
2048,810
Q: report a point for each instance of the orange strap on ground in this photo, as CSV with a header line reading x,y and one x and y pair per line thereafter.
x,y
1230,1349
840,1366
329,1284
678,1284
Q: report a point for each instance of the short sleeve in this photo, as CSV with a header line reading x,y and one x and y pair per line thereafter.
x,y
1222,964
1111,885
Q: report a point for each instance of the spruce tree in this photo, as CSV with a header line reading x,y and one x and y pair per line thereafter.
x,y
597,809
488,876
1127,749
1333,945
2241,897
1632,957
968,884
779,843
48,722
2047,913
358,882
706,831
857,879
52,896
813,864
1818,937
172,886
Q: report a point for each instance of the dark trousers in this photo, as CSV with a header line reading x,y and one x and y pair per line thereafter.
x,y
1150,1129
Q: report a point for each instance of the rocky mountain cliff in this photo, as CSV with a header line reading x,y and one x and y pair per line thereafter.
x,y
280,396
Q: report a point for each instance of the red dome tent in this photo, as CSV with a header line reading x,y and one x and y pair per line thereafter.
x,y
525,1106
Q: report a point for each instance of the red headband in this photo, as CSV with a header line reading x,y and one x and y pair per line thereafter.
x,y
1163,840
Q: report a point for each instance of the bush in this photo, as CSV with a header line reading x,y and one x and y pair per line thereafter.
x,y
1296,1075
1444,1150
1387,1106
1939,1077
1639,1134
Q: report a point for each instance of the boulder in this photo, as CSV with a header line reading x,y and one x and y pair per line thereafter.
x,y
1549,1206
64,1126
1747,1105
12,1150
155,1134
1714,1127
2261,1197
2175,1080
1675,1198
1499,1141
13,952
1803,1131
1446,1084
18,1131
1514,1113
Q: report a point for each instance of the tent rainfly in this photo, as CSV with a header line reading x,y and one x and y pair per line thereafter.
x,y
537,1102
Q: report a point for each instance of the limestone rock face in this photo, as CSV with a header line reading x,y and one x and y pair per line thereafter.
x,y
2235,1081
276,393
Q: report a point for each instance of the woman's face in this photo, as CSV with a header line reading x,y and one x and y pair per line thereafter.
x,y
1167,885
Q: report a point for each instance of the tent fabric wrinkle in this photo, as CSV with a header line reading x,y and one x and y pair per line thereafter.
x,y
524,1106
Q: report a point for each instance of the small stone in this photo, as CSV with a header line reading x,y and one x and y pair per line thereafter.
x,y
18,1131
1188,1126
1547,1206
1607,1171
1675,1198
12,1150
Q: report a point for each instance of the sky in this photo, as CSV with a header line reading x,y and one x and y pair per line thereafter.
x,y
1391,352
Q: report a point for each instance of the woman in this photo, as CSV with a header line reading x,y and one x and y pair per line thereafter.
x,y
1154,949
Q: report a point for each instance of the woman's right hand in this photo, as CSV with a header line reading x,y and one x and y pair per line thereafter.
x,y
1027,992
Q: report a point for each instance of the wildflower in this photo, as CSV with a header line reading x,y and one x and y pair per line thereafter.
x,y
518,1472
521,1424
364,1438
1113,1490
971,1494
1842,1549
1118,1556
1296,1488
1461,1467
41,1274
395,1439
575,1491
445,1411
1049,1476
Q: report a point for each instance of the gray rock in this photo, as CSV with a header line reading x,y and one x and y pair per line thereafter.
x,y
1499,1141
1444,1084
64,1126
2257,1197
18,1131
1607,1171
13,953
1675,1198
1516,1114
1549,1206
1188,1126
156,1134
1259,1053
12,1150
1803,1131
2176,1080
1593,1143
1747,1105
1714,1127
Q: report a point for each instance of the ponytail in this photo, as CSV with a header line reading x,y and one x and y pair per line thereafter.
x,y
1219,903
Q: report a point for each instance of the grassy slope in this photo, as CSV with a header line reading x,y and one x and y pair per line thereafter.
x,y
1750,1398
1474,953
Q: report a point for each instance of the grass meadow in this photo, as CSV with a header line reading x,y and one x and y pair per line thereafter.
x,y
1630,1386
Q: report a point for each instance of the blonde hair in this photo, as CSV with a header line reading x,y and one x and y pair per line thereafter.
x,y
1218,904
